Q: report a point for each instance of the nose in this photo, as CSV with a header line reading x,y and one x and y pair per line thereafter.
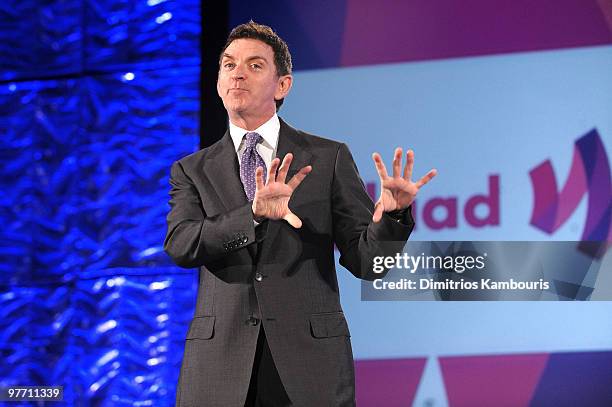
x,y
238,73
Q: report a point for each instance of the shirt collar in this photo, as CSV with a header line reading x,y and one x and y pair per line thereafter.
x,y
268,131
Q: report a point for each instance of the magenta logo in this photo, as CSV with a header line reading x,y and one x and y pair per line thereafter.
x,y
589,174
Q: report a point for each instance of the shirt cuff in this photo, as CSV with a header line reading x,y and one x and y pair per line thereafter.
x,y
401,215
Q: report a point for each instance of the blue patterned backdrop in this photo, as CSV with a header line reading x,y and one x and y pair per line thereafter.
x,y
96,101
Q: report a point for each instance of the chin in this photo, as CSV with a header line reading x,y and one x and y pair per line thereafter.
x,y
234,106
238,107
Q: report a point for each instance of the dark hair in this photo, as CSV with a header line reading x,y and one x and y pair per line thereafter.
x,y
265,34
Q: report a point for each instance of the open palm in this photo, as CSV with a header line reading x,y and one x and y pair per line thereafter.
x,y
397,191
271,199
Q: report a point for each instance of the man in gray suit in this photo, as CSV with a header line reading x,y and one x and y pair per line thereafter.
x,y
268,327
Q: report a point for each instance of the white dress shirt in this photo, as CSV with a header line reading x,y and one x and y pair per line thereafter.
x,y
267,148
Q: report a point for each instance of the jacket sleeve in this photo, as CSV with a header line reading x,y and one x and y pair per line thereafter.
x,y
194,239
357,237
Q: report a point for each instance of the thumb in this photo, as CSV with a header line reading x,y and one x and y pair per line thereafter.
x,y
378,211
293,220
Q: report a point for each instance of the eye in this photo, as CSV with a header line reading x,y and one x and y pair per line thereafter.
x,y
228,65
256,66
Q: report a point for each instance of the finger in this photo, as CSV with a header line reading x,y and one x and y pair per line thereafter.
x,y
426,178
272,171
397,162
409,165
378,211
299,177
293,220
259,181
380,166
284,169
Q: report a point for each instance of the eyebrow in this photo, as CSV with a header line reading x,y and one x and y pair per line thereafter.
x,y
226,55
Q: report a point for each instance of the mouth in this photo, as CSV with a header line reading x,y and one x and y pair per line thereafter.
x,y
236,90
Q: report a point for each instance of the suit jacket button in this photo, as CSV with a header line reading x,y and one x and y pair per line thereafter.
x,y
259,276
253,321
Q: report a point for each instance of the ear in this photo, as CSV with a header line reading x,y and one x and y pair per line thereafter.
x,y
283,86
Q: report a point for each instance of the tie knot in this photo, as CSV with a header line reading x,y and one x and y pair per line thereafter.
x,y
252,139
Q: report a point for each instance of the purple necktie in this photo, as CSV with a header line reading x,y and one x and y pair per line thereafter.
x,y
249,162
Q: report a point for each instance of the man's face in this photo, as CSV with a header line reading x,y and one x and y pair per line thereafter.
x,y
248,82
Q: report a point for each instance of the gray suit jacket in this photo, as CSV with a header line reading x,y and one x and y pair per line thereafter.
x,y
273,276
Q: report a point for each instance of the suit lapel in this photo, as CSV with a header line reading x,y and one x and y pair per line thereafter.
x,y
222,170
289,141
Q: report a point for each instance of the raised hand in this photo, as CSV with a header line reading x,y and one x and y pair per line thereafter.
x,y
272,198
398,191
